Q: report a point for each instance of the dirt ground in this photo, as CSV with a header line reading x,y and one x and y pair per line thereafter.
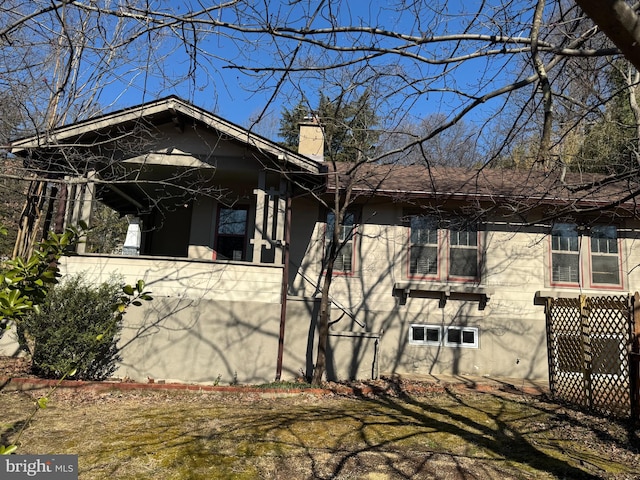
x,y
377,430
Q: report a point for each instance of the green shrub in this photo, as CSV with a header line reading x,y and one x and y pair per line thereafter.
x,y
76,329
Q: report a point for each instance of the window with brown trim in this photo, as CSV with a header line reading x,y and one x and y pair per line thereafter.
x,y
423,247
231,233
346,238
443,250
585,254
605,255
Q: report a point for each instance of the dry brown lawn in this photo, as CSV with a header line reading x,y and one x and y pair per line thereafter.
x,y
144,434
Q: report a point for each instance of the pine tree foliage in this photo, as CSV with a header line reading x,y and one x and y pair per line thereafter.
x,y
349,126
610,143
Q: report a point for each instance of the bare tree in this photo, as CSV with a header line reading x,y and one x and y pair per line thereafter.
x,y
421,59
618,19
460,61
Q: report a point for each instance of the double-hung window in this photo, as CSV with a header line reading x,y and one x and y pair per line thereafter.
x,y
423,255
231,233
605,259
344,257
565,255
463,252
440,250
585,255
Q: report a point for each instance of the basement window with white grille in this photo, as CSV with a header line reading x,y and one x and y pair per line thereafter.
x,y
436,335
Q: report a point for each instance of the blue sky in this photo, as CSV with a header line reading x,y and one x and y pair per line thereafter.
x,y
240,97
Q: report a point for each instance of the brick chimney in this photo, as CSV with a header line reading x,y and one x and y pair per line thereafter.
x,y
311,140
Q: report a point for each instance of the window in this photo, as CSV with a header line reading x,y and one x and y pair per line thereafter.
x,y
423,246
565,258
425,335
436,335
463,252
596,260
442,252
461,337
231,238
604,255
344,258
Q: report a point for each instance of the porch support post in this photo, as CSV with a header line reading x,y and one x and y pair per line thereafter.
x,y
79,204
76,205
271,211
259,233
70,201
87,197
285,281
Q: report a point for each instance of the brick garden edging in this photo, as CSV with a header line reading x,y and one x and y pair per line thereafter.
x,y
9,384
354,389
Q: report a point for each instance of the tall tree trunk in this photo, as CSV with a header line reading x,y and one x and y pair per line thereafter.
x,y
632,78
323,327
544,150
331,253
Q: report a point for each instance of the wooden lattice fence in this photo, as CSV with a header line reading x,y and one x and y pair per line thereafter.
x,y
591,343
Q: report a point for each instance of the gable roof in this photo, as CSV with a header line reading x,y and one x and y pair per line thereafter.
x,y
157,111
499,186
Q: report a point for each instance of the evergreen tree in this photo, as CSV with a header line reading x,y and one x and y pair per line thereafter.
x,y
610,144
289,129
348,126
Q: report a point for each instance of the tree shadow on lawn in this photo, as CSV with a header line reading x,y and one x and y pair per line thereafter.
x,y
445,435
494,435
498,438
481,444
405,437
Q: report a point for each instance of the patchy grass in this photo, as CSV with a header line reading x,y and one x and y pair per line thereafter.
x,y
450,435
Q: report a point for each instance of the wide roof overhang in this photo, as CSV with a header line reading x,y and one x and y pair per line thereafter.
x,y
48,153
84,133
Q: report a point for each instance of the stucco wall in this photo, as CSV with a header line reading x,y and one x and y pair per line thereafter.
x,y
207,322
198,280
511,325
211,319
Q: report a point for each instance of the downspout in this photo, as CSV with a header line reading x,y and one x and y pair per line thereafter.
x,y
285,289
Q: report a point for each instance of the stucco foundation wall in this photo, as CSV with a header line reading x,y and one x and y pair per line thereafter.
x,y
197,341
208,321
511,325
349,354
200,341
508,346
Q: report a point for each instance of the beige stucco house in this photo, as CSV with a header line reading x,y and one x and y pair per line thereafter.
x,y
446,271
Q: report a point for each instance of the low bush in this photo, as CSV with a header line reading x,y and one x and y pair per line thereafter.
x,y
75,330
